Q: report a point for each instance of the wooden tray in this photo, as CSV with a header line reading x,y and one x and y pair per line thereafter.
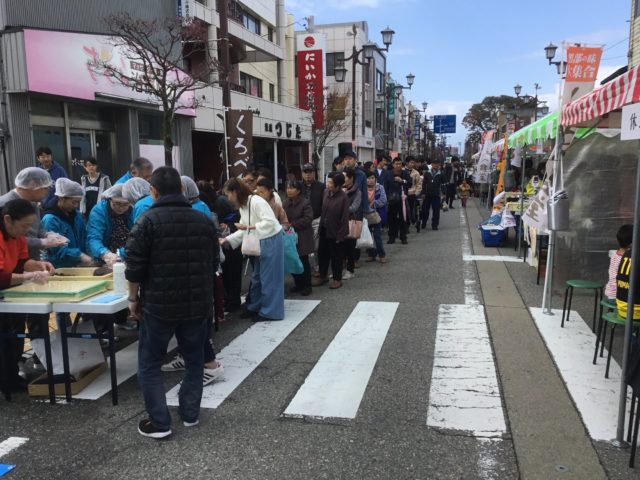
x,y
55,291
79,273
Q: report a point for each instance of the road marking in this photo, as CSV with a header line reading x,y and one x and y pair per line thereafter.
x,y
572,349
471,284
490,258
336,385
247,351
465,394
10,444
126,367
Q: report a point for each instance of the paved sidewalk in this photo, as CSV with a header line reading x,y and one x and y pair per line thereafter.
x,y
549,437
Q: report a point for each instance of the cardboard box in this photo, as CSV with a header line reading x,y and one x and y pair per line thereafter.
x,y
40,388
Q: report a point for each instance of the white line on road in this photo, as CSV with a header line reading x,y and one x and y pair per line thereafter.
x,y
336,385
490,258
465,394
126,367
247,351
572,349
471,296
10,444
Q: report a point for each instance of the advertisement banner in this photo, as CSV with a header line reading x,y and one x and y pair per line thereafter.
x,y
240,140
582,70
483,170
311,76
391,105
537,215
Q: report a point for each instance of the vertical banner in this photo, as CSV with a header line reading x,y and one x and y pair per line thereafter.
x,y
484,162
582,70
240,140
311,75
502,165
391,106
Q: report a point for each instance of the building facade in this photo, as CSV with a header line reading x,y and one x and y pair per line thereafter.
x,y
634,34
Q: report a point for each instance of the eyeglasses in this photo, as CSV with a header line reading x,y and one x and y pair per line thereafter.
x,y
119,204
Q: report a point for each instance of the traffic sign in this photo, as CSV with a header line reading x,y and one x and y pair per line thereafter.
x,y
444,124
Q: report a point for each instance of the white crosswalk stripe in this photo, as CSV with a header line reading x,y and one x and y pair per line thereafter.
x,y
10,444
337,383
247,351
465,394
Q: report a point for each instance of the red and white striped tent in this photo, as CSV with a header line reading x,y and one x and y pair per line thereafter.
x,y
594,108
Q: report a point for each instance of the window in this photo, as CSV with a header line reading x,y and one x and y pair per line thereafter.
x,y
272,92
379,81
251,23
379,119
366,73
333,60
637,8
150,128
270,34
251,85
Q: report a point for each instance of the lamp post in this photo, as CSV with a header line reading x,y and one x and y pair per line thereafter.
x,y
390,91
368,50
417,112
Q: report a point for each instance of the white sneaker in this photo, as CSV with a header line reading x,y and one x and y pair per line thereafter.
x,y
211,374
348,275
174,365
191,424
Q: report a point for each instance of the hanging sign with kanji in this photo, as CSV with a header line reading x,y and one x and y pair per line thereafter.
x,y
582,70
240,140
311,77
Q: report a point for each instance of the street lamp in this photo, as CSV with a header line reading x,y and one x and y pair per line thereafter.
x,y
368,50
550,53
517,89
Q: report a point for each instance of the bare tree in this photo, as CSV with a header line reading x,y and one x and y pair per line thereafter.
x,y
155,51
334,124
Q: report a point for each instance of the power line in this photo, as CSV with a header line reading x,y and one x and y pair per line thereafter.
x,y
616,44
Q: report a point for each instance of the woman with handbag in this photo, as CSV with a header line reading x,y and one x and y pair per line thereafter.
x,y
300,215
377,202
334,228
260,235
354,194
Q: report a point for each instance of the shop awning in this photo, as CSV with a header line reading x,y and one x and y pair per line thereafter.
x,y
612,96
542,129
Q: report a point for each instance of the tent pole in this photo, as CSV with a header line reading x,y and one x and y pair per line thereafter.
x,y
520,231
631,301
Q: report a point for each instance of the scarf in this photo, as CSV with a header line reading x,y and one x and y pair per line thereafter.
x,y
120,231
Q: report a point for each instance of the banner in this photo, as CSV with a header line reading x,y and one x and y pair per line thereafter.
x,y
582,70
502,165
483,169
537,215
516,161
239,140
391,106
311,77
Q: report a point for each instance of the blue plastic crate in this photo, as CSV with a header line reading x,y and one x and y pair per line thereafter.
x,y
493,237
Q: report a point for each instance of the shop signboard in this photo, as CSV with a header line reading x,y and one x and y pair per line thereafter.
x,y
630,125
68,64
240,140
582,70
391,105
185,9
311,77
443,124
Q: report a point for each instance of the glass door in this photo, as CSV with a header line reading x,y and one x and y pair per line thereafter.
x,y
104,147
81,146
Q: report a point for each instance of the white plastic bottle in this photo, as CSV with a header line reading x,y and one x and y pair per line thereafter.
x,y
119,282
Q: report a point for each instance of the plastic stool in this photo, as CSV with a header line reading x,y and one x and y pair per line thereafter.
x,y
582,285
613,319
609,306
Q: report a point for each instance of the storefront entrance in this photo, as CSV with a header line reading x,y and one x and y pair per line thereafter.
x,y
98,144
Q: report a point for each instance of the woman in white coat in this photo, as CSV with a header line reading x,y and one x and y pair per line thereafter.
x,y
267,282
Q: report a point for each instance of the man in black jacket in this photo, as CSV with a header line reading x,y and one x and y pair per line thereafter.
x,y
397,183
172,256
313,190
432,191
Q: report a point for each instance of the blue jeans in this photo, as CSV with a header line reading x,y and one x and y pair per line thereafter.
x,y
376,231
154,337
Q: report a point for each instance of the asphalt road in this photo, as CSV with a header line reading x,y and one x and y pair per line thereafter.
x,y
248,438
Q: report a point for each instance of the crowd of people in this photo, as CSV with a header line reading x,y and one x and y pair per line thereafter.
x,y
184,245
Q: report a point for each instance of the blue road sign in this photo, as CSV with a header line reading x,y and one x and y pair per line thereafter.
x,y
444,124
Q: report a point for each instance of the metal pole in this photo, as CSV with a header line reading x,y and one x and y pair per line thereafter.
x,y
226,140
275,164
353,95
520,223
631,301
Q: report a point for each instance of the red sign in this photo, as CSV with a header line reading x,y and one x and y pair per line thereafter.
x,y
583,64
311,82
309,41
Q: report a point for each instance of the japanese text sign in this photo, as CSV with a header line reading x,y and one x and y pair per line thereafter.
x,y
310,62
240,140
630,125
583,64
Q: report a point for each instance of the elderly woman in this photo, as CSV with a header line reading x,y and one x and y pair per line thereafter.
x,y
354,194
267,280
334,227
264,188
138,192
300,215
16,268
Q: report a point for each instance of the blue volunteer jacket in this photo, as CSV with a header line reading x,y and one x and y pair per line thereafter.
x,y
99,230
124,178
141,206
67,255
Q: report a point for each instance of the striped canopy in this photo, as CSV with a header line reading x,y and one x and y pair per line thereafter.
x,y
613,95
542,129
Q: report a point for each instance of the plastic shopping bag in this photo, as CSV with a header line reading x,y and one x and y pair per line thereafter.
x,y
292,262
251,244
366,239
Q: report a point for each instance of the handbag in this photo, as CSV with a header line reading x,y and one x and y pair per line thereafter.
x,y
292,262
250,242
355,229
366,239
373,218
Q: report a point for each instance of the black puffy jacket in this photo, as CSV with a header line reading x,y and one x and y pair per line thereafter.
x,y
173,253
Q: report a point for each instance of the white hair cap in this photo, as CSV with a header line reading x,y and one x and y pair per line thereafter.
x,y
189,187
33,178
113,192
68,188
135,188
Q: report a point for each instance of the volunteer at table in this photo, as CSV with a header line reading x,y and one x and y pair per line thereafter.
x,y
267,281
16,268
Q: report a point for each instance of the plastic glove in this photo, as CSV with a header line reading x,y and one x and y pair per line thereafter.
x,y
39,278
110,258
53,239
85,259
